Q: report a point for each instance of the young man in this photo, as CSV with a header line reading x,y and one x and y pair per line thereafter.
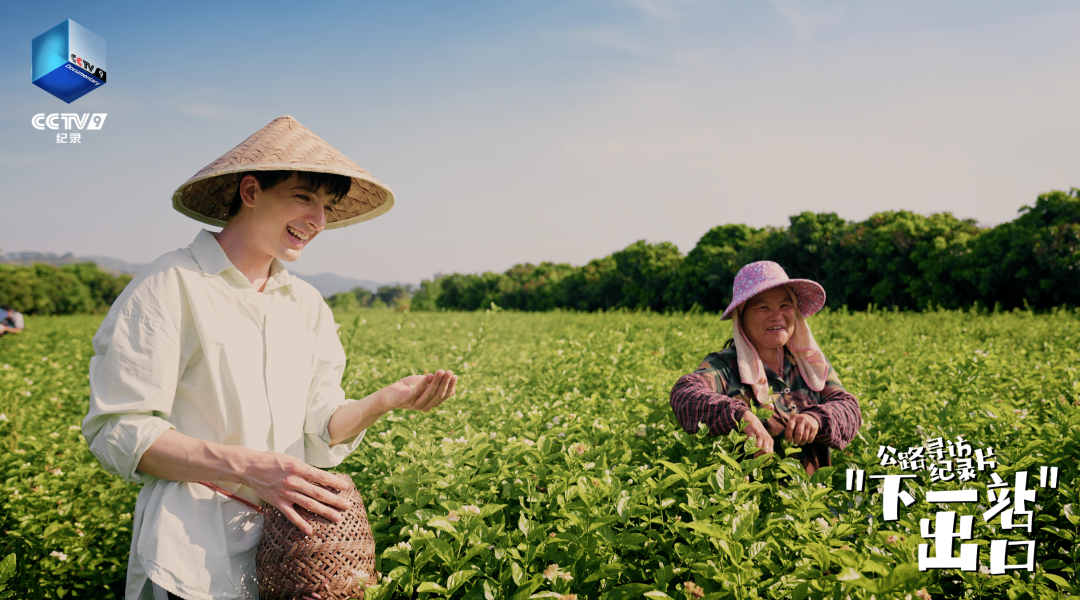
x,y
215,364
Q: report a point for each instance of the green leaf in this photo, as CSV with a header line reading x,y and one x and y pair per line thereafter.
x,y
441,524
601,521
731,462
443,550
655,594
489,509
629,590
429,586
710,530
819,553
526,590
458,578
848,574
424,555
393,553
605,571
398,573
517,573
670,479
631,539
823,475
675,469
7,567
741,524
899,577
1064,585
473,552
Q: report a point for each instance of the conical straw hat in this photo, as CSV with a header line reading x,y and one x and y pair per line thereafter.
x,y
283,145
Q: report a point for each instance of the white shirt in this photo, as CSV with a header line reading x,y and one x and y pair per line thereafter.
x,y
191,345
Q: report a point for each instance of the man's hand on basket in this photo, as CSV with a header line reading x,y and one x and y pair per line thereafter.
x,y
283,480
420,392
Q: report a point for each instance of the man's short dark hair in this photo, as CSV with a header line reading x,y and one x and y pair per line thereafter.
x,y
335,185
6,308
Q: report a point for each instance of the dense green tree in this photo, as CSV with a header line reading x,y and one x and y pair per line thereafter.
x,y
469,292
899,259
645,272
595,286
1034,259
812,247
893,259
392,294
426,298
47,290
707,274
343,301
104,288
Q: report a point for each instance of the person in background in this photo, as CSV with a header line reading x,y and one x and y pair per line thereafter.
x,y
12,321
771,362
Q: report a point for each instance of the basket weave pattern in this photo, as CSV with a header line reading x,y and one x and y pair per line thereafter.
x,y
336,561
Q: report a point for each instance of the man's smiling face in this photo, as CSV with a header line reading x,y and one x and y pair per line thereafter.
x,y
287,216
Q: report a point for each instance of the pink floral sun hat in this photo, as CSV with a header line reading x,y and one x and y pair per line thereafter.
x,y
763,275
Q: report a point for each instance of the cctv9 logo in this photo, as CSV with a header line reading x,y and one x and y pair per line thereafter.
x,y
84,121
96,72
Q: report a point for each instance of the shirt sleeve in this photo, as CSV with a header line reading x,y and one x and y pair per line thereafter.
x,y
696,399
133,378
326,396
838,413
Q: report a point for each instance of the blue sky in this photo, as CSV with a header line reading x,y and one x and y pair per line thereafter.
x,y
524,131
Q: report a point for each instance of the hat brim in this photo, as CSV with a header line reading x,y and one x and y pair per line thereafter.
x,y
206,199
283,145
809,296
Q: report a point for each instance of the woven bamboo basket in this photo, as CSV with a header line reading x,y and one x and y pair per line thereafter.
x,y
337,561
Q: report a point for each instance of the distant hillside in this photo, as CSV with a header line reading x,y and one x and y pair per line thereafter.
x,y
115,264
328,284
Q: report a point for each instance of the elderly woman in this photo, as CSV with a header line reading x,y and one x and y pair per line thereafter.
x,y
775,364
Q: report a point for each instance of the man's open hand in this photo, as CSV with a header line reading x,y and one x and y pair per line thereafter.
x,y
420,392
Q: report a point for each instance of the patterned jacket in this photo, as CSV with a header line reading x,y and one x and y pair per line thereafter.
x,y
715,395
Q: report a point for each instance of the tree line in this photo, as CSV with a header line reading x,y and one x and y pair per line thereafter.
x,y
43,289
896,259
387,296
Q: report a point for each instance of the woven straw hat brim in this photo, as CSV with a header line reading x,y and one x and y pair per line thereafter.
x,y
283,145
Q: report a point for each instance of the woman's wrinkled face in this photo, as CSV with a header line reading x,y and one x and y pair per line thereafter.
x,y
768,319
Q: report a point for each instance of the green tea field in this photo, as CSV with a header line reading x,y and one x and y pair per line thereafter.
x,y
559,471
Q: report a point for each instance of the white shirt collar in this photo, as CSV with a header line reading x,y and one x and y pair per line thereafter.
x,y
213,261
